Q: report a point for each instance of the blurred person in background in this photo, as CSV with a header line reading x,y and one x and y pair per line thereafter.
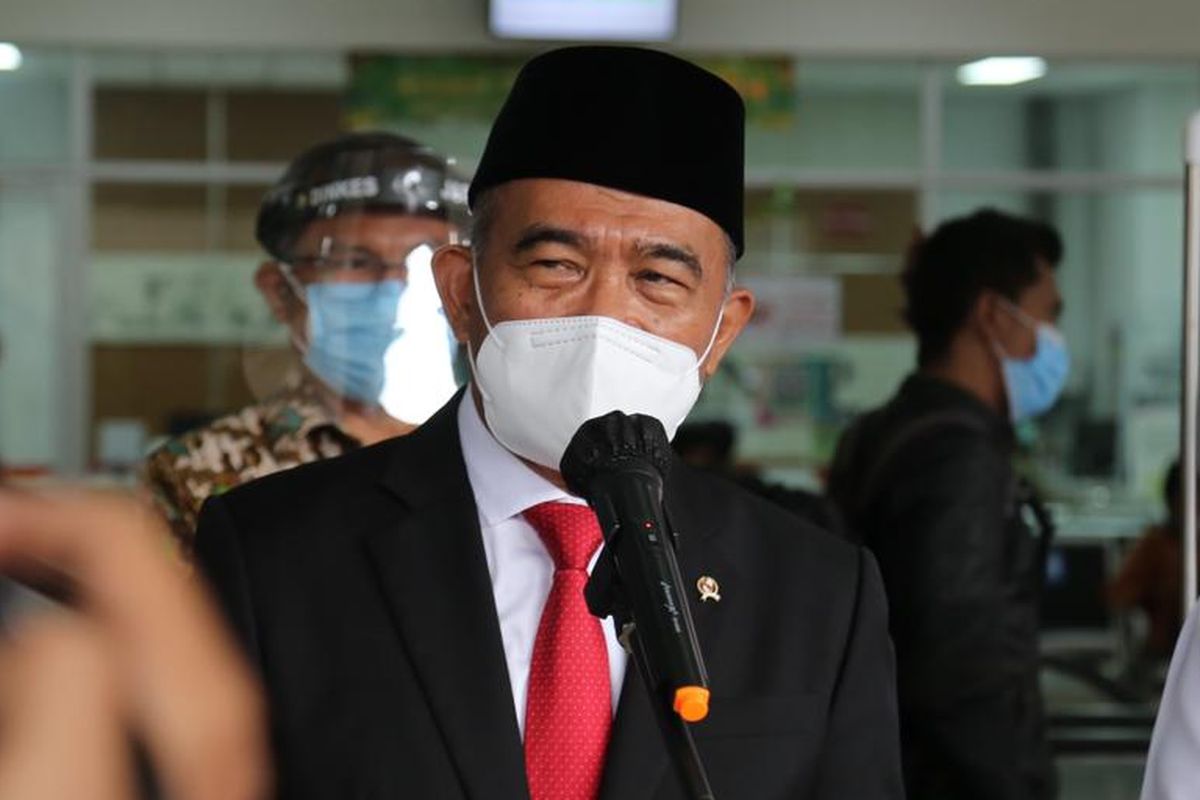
x,y
928,485
711,446
1151,576
137,654
350,229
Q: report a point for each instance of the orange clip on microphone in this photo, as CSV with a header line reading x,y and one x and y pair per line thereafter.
x,y
691,703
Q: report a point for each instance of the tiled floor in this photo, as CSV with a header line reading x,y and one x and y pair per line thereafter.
x,y
1100,778
1092,777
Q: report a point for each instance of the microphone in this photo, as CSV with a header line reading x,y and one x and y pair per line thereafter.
x,y
616,462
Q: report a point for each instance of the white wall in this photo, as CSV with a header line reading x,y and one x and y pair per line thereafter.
x,y
842,131
923,28
29,375
34,130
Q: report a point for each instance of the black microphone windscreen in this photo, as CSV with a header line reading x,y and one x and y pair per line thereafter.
x,y
614,442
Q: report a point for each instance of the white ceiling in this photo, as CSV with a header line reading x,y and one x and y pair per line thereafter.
x,y
899,28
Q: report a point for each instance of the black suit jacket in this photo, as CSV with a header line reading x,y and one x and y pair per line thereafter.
x,y
360,588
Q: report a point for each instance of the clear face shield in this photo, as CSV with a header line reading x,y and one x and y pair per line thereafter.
x,y
360,264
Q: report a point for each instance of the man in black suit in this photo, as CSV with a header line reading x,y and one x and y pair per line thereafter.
x,y
415,607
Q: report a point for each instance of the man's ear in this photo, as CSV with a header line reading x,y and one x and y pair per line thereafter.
x,y
454,275
989,319
739,308
275,289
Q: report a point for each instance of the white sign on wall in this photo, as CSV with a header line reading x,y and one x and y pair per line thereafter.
x,y
174,297
794,310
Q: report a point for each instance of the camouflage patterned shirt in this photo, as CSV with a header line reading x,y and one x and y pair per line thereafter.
x,y
287,430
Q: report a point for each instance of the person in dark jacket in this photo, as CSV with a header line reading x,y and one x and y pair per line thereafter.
x,y
927,483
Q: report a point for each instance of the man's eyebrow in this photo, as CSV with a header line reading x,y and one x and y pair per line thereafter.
x,y
539,233
672,252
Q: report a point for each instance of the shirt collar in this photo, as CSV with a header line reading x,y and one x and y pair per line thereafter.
x,y
504,486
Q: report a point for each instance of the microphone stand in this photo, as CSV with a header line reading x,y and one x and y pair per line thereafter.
x,y
605,596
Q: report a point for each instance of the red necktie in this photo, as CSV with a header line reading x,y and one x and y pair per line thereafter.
x,y
568,713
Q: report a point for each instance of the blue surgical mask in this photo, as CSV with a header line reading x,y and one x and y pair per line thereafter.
x,y
350,328
1035,384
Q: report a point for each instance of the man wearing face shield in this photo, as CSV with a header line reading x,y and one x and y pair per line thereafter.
x,y
350,229
416,608
927,483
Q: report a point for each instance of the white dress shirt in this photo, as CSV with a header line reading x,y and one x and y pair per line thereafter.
x,y
1173,766
521,568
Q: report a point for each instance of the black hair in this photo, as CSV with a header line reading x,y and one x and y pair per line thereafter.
x,y
1045,241
948,271
717,437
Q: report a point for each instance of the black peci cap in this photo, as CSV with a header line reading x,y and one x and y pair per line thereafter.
x,y
368,171
627,118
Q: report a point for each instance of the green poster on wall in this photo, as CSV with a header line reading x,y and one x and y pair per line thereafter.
x,y
394,89
389,90
766,84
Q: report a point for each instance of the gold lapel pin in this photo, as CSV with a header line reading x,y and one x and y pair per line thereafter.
x,y
709,589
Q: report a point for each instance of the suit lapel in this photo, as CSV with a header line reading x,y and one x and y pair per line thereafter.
x,y
433,573
637,761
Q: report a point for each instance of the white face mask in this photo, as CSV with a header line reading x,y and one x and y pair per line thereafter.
x,y
541,379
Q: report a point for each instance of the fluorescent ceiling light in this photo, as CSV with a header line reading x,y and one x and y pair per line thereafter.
x,y
10,57
1001,71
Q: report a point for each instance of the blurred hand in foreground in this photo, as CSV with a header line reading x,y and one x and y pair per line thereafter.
x,y
140,654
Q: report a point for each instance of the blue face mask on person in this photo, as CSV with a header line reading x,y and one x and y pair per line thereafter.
x,y
1035,384
350,328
